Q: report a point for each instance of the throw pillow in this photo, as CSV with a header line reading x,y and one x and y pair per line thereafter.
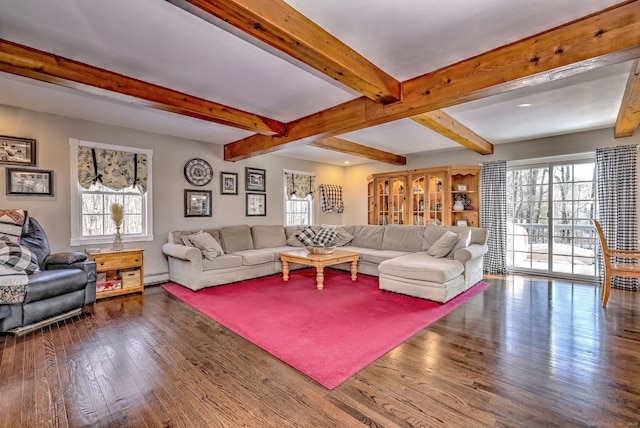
x,y
207,244
463,242
444,244
186,241
325,235
18,258
343,237
11,222
293,241
306,236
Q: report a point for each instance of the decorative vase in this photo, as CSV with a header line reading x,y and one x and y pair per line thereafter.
x,y
117,242
458,206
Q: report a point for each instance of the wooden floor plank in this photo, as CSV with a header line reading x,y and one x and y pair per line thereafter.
x,y
528,351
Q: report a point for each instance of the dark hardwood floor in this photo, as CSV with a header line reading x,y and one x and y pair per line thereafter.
x,y
526,352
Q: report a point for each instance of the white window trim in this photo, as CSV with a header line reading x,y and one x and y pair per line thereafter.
x,y
76,223
284,185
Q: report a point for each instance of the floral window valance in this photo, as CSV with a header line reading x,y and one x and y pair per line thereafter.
x,y
112,168
300,185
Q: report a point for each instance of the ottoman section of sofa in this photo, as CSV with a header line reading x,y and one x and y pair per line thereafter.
x,y
421,275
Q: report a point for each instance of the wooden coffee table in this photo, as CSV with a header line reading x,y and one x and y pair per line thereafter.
x,y
320,261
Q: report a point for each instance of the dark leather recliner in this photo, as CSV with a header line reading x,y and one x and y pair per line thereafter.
x,y
64,286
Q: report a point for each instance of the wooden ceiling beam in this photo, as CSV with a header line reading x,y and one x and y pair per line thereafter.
x,y
629,114
443,124
46,67
355,149
281,26
606,37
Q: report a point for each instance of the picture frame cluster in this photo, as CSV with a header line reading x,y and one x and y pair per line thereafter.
x,y
198,203
255,192
21,153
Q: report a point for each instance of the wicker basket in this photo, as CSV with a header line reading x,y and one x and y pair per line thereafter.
x,y
320,250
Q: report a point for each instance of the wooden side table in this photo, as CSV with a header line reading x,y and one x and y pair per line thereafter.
x,y
119,272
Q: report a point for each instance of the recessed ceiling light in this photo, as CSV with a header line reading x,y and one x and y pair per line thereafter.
x,y
524,105
347,162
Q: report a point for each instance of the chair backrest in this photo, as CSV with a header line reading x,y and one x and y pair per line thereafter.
x,y
34,238
603,241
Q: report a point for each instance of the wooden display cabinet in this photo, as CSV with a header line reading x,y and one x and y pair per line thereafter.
x,y
423,196
465,186
119,272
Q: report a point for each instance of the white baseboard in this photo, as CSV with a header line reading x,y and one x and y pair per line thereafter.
x,y
156,278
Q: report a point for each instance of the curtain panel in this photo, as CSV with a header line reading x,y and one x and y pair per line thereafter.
x,y
493,214
617,205
113,169
301,185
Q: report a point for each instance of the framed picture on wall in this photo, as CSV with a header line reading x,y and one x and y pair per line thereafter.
x,y
255,180
17,151
33,182
228,183
256,204
197,203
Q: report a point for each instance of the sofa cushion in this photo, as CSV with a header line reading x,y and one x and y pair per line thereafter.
x,y
36,240
423,267
175,237
444,244
378,256
431,234
291,232
206,244
402,238
223,262
343,236
268,236
463,242
368,236
256,257
236,238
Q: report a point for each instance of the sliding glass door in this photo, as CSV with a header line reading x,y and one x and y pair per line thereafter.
x,y
548,219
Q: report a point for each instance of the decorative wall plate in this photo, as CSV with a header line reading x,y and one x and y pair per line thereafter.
x,y
198,172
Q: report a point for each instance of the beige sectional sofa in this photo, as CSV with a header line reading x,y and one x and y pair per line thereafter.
x,y
398,255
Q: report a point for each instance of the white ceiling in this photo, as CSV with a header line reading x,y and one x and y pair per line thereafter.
x,y
158,42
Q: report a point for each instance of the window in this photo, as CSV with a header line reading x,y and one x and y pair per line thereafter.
x,y
298,198
91,205
549,210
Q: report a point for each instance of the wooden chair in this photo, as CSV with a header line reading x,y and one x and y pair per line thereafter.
x,y
615,269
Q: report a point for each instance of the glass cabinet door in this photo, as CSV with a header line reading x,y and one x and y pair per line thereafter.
x,y
418,200
371,203
398,196
382,192
436,200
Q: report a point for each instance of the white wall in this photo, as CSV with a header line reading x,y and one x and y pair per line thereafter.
x,y
355,177
169,156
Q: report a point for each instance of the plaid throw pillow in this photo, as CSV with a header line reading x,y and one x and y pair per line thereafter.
x,y
324,235
18,258
306,236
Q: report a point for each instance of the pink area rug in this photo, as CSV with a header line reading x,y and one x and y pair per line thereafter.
x,y
329,335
